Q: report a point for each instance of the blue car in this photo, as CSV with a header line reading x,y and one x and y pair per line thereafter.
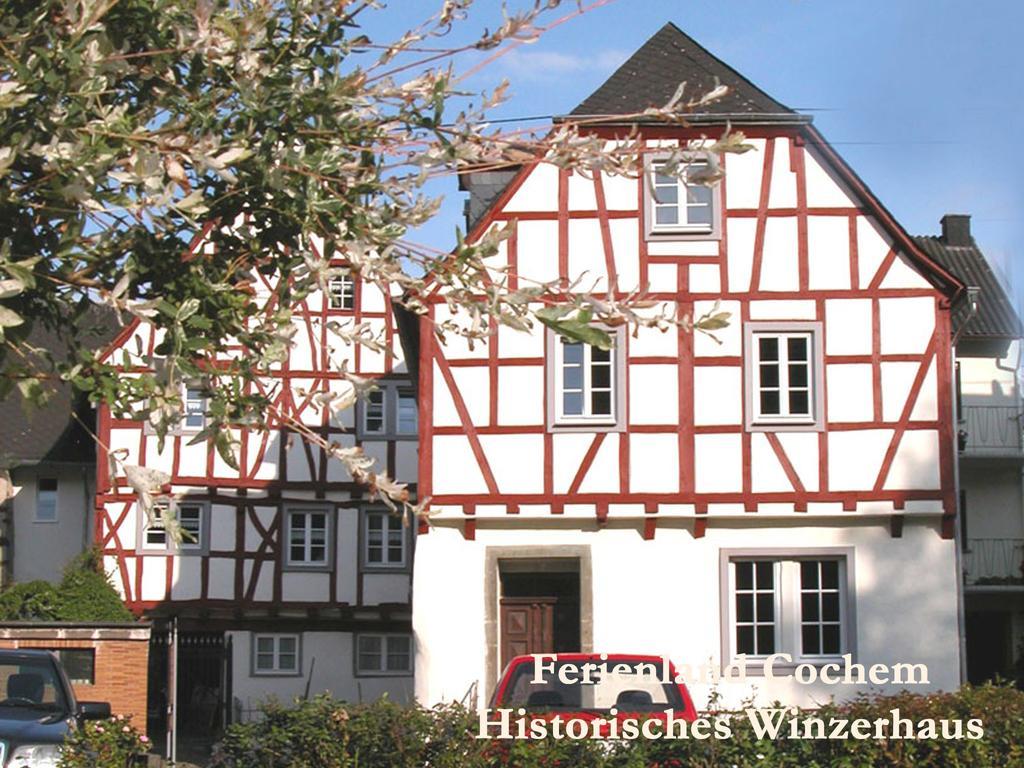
x,y
38,709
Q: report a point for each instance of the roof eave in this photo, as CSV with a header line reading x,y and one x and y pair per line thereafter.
x,y
939,276
698,118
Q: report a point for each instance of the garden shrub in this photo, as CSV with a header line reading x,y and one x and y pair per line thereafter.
x,y
103,744
323,733
84,594
30,601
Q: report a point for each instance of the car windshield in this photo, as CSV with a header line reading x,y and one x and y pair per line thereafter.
x,y
31,684
629,686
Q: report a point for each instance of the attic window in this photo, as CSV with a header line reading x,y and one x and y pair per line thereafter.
x,y
677,205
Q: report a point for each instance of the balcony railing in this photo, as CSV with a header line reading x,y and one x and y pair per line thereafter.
x,y
992,430
994,562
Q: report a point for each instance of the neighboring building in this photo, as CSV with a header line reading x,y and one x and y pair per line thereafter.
x,y
789,488
991,458
295,582
50,458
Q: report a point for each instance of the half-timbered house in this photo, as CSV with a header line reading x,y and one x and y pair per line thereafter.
x,y
287,580
785,488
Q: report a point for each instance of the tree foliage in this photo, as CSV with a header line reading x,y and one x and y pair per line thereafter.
x,y
85,593
163,157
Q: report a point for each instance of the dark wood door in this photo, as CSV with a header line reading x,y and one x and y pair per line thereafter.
x,y
527,626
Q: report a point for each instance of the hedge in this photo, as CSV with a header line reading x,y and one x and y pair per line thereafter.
x,y
84,594
323,733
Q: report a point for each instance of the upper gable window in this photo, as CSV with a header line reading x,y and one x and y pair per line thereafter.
x,y
341,292
676,205
783,368
586,383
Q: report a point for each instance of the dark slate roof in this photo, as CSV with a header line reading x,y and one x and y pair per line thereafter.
x,y
995,317
51,433
651,76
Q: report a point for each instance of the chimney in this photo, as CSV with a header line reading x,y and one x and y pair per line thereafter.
x,y
956,229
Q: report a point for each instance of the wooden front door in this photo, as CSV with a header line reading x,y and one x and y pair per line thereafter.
x,y
527,626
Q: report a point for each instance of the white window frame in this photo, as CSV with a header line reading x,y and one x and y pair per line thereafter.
x,y
391,523
754,420
390,392
277,670
343,300
588,421
682,230
308,510
203,401
382,670
406,393
55,518
199,547
381,394
200,534
788,618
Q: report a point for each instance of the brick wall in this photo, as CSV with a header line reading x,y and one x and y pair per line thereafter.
x,y
121,660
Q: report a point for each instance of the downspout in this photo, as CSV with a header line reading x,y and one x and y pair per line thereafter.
x,y
958,542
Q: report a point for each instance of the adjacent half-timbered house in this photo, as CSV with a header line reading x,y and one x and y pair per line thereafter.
x,y
787,488
288,580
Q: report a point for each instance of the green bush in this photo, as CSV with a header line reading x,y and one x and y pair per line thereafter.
x,y
323,733
103,744
30,601
84,594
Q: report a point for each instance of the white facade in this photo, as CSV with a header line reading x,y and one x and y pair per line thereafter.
x,y
656,498
49,519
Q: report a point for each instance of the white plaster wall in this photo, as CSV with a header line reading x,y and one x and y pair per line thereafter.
x,y
670,602
990,380
332,673
994,502
40,550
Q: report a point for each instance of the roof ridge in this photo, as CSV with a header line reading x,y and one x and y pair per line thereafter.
x,y
727,65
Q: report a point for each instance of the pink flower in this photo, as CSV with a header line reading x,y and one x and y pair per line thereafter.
x,y
144,739
126,729
99,729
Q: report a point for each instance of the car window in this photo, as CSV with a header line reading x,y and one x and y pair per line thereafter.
x,y
30,683
629,686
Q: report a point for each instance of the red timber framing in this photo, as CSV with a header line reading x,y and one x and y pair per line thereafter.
x,y
277,469
941,288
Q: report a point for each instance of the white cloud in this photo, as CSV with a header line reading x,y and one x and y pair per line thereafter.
x,y
542,65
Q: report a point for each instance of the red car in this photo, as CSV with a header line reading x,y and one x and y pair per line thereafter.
x,y
587,686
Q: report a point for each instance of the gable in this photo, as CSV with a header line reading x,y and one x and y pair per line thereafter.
x,y
793,210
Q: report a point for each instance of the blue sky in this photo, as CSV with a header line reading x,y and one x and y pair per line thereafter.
x,y
922,97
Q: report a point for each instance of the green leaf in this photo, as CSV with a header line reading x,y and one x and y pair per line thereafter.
x,y
22,271
715,322
553,313
9,318
9,288
188,308
577,331
226,448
